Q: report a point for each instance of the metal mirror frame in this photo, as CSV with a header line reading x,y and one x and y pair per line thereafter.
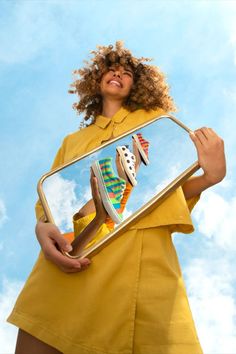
x,y
144,210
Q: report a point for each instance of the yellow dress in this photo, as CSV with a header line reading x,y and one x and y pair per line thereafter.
x,y
132,298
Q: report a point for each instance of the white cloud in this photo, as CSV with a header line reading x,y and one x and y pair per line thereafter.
x,y
210,278
174,171
86,193
211,297
8,333
216,220
62,200
3,213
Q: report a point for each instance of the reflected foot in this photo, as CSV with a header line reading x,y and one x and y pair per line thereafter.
x,y
140,146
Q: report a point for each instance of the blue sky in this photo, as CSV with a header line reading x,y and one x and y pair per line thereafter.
x,y
194,43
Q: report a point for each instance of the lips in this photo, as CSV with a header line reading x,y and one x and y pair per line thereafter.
x,y
115,83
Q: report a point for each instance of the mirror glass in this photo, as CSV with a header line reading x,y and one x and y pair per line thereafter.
x,y
158,153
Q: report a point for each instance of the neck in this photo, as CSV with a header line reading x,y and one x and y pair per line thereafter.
x,y
110,107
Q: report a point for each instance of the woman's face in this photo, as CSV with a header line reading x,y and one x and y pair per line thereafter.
x,y
117,82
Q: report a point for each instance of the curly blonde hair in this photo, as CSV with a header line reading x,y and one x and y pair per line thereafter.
x,y
149,90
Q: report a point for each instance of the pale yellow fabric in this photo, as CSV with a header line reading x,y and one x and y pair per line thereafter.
x,y
132,299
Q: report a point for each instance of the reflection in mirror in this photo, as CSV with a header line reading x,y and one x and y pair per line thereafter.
x,y
129,171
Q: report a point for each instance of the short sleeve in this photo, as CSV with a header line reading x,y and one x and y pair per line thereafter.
x,y
173,212
186,228
58,161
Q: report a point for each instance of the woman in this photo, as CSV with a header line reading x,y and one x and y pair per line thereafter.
x,y
132,298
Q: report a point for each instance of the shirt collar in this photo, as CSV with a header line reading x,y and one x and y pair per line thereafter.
x,y
103,122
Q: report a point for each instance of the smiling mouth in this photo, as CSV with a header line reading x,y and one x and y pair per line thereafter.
x,y
115,83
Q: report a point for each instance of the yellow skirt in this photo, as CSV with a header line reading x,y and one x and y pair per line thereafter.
x,y
131,299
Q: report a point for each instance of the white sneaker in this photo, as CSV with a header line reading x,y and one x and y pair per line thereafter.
x,y
127,160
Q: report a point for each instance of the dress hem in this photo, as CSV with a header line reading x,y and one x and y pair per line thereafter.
x,y
65,345
44,334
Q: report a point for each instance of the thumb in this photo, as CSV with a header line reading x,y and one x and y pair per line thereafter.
x,y
62,242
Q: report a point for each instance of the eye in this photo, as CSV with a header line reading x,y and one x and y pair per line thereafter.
x,y
128,73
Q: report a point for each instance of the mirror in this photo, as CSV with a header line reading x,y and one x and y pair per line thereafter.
x,y
134,173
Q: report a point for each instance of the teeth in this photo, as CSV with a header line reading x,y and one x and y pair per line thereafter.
x,y
115,83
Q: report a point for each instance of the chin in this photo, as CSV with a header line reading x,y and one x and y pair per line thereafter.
x,y
113,94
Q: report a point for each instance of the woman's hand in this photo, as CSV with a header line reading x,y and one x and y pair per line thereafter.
x,y
211,156
101,213
51,240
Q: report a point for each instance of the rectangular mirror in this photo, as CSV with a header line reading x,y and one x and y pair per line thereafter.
x,y
146,165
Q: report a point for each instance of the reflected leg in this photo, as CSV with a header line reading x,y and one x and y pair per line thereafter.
x,y
27,344
87,209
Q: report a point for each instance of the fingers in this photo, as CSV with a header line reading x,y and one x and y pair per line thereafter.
x,y
62,242
94,184
95,190
50,240
66,264
92,180
73,268
69,265
91,174
196,140
201,136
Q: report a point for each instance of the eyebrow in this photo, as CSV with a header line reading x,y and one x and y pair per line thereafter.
x,y
125,69
129,70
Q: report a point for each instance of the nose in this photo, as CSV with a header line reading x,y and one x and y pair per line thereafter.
x,y
117,73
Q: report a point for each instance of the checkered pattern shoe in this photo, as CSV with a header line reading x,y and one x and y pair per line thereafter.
x,y
127,160
142,146
111,187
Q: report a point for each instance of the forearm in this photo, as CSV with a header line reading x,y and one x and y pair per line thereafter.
x,y
86,235
195,185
